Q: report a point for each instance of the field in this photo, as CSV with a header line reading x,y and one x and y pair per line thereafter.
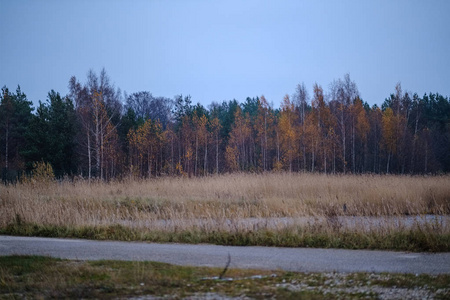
x,y
34,277
274,209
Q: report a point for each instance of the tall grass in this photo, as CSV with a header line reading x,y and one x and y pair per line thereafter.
x,y
236,203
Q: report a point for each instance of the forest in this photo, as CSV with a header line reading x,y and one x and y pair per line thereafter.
x,y
98,132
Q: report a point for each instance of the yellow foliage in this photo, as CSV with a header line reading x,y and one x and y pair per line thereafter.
x,y
277,166
42,172
179,169
288,131
231,158
362,122
389,128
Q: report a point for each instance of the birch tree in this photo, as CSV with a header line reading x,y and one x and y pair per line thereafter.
x,y
287,129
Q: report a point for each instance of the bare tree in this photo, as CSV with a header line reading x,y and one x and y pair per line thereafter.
x,y
97,105
344,92
301,99
146,107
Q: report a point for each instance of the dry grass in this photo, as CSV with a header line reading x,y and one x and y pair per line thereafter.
x,y
225,203
230,196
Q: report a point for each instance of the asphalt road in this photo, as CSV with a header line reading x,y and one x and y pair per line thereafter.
x,y
273,258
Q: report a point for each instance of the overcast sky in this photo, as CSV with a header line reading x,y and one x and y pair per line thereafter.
x,y
224,50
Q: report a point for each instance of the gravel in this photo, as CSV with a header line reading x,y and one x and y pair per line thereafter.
x,y
340,285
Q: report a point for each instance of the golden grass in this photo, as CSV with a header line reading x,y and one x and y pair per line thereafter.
x,y
276,209
225,197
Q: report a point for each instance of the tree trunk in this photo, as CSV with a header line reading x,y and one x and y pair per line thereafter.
x,y
196,155
89,154
290,161
244,159
179,148
217,153
263,155
156,162
389,159
101,153
353,148
97,145
278,148
171,153
265,143
334,158
149,162
304,158
206,156
414,141
343,137
6,146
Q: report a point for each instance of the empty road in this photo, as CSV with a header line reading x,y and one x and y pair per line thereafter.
x,y
273,258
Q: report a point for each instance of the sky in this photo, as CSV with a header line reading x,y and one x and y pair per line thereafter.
x,y
224,50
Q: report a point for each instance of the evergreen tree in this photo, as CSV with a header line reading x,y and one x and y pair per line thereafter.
x,y
15,115
51,135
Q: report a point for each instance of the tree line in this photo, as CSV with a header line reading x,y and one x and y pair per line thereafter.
x,y
98,132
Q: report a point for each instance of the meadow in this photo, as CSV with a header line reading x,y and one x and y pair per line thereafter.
x,y
273,209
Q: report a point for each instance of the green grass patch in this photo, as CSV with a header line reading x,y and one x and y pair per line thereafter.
x,y
416,239
34,277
